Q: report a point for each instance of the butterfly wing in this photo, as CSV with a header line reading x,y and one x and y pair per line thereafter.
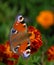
x,y
19,38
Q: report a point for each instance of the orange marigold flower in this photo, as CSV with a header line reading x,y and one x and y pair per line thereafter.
x,y
50,53
7,49
35,38
6,53
45,19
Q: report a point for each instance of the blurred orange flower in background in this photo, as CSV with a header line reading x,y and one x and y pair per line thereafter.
x,y
45,19
50,53
6,53
36,40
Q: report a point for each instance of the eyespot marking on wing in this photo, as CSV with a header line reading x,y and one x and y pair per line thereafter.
x,y
20,18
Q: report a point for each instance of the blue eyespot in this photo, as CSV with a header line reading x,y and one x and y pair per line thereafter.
x,y
14,31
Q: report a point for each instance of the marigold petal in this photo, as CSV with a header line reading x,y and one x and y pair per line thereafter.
x,y
50,53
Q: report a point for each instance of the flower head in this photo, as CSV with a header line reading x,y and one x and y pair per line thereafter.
x,y
50,53
45,19
7,49
35,38
6,53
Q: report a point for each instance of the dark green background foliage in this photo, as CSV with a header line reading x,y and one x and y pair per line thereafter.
x,y
9,9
